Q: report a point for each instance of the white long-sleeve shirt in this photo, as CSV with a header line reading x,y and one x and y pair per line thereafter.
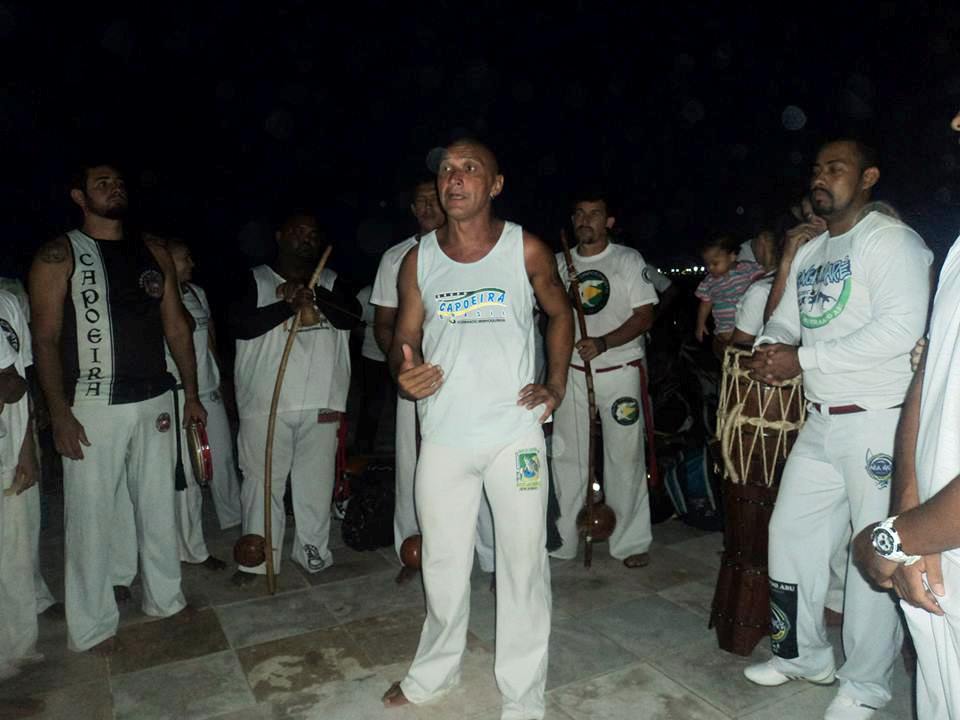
x,y
856,307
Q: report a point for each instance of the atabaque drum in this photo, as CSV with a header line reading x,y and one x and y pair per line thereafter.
x,y
199,450
757,425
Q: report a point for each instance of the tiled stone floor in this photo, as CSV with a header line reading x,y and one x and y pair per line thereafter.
x,y
625,644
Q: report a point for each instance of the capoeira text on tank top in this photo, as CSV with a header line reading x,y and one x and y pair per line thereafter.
x,y
478,326
113,342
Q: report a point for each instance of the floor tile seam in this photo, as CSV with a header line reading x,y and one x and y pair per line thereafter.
x,y
174,663
636,663
232,603
729,712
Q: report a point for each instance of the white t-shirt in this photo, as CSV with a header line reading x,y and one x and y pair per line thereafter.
x,y
384,291
318,368
751,306
661,283
208,374
14,350
856,307
612,285
745,253
369,349
938,448
15,288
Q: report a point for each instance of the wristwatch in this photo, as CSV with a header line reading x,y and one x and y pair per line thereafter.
x,y
887,543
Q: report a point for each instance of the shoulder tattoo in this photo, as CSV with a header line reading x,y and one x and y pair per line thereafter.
x,y
53,252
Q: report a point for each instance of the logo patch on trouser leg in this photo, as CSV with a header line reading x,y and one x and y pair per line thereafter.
x,y
783,619
528,469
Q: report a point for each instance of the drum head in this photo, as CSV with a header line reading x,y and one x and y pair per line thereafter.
x,y
200,457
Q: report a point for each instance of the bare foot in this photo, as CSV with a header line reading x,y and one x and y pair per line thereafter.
x,y
242,579
394,697
637,561
405,575
212,563
105,648
122,594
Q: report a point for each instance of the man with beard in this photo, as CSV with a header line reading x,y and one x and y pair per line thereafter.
x,y
916,550
855,301
618,302
313,397
429,216
102,306
464,349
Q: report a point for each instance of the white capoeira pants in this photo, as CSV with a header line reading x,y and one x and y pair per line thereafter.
x,y
130,460
624,460
838,475
225,484
937,641
405,521
450,485
18,597
44,597
226,492
306,449
405,509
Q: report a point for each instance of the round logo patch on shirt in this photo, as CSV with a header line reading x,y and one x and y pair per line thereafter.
x,y
823,292
163,422
152,283
10,334
625,410
594,291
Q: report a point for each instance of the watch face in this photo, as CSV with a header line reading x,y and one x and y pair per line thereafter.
x,y
883,542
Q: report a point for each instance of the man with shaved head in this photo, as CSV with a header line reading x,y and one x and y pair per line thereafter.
x,y
464,349
855,300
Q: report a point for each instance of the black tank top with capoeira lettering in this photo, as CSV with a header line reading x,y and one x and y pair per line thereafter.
x,y
112,336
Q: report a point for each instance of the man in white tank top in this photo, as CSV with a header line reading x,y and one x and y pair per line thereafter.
x,y
429,216
464,349
102,306
917,550
854,303
224,484
313,397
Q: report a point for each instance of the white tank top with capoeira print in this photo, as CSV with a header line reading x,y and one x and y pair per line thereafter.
x,y
478,327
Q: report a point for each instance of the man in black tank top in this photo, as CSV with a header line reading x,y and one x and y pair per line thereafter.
x,y
102,305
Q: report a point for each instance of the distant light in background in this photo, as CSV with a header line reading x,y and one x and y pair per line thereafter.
x,y
793,118
739,209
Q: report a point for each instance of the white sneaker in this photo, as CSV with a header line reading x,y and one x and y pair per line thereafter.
x,y
767,674
846,708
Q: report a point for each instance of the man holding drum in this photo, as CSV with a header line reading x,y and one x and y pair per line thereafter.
x,y
223,478
854,302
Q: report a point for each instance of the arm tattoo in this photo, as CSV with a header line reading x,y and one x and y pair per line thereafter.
x,y
53,252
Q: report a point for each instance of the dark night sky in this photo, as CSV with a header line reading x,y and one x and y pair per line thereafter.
x,y
223,116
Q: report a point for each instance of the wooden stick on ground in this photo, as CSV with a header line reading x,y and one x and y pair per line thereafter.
x,y
591,401
271,429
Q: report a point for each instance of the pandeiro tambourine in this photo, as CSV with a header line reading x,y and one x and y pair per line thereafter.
x,y
200,456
